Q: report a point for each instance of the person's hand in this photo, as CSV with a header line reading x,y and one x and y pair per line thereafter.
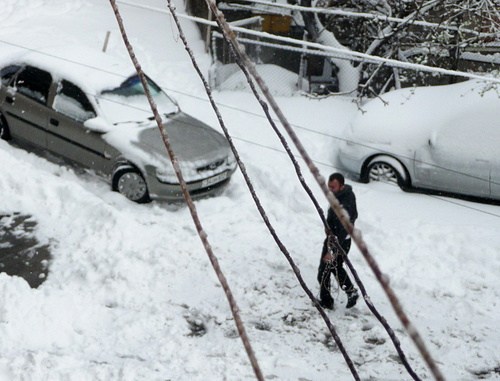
x,y
328,257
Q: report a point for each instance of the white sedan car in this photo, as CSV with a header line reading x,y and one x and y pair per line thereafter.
x,y
442,138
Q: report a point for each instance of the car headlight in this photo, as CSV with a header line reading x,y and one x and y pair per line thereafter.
x,y
166,174
231,160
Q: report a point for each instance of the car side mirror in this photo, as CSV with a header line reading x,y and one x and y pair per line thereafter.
x,y
97,124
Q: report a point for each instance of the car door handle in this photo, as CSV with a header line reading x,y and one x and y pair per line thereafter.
x,y
54,122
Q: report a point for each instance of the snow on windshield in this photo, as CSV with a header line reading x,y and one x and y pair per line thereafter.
x,y
128,102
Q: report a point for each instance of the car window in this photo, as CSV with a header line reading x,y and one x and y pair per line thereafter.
x,y
71,101
34,83
128,103
8,72
133,86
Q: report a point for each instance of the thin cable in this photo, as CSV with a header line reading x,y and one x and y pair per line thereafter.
x,y
259,205
321,214
192,208
334,203
331,237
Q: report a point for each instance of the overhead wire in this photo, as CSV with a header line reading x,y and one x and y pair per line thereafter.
x,y
192,208
331,11
257,201
331,238
265,107
334,203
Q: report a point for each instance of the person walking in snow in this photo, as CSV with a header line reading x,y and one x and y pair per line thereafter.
x,y
333,262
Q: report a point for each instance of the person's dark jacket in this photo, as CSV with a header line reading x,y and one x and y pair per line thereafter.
x,y
347,199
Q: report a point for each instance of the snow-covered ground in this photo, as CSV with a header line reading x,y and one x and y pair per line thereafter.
x,y
131,294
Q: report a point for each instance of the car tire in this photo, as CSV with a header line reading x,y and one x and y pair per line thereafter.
x,y
129,182
4,128
387,169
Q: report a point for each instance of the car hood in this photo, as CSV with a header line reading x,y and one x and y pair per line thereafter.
x,y
191,139
201,151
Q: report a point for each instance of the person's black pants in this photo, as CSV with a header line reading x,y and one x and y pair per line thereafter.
x,y
336,268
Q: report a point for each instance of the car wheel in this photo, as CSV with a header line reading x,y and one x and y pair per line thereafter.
x,y
129,182
387,169
4,129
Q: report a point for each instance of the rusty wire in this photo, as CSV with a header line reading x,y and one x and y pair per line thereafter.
x,y
192,208
337,208
259,205
334,203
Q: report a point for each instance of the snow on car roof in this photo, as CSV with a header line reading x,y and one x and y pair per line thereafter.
x,y
405,117
91,69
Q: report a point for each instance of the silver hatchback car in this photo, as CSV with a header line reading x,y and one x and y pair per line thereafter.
x,y
101,120
442,138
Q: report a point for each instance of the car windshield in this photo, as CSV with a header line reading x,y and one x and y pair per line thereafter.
x,y
128,102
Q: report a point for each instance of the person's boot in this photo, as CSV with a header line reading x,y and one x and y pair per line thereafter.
x,y
326,304
352,298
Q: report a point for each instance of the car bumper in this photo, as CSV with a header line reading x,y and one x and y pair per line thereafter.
x,y
207,187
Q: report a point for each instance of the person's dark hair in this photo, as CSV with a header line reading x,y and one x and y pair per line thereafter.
x,y
337,176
